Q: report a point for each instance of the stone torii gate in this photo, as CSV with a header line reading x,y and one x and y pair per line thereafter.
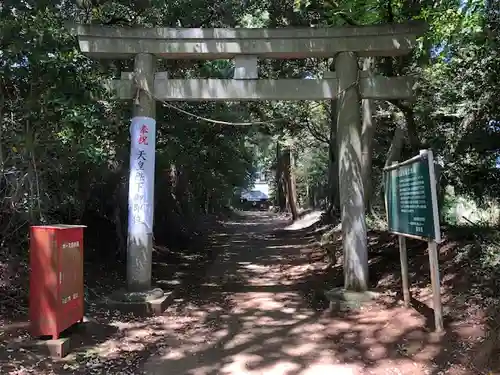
x,y
347,84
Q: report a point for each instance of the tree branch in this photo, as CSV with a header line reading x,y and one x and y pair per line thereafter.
x,y
347,19
390,13
317,134
411,126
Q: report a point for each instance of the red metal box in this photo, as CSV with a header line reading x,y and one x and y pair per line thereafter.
x,y
56,298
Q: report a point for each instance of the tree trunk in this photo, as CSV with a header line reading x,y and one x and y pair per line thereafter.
x,y
182,190
280,190
173,177
394,152
290,183
333,167
2,101
31,175
411,128
308,195
120,225
367,133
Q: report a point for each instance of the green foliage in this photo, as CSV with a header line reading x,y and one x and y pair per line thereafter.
x,y
457,92
64,141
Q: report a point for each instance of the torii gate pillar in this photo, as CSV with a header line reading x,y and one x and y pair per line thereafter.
x,y
142,176
351,188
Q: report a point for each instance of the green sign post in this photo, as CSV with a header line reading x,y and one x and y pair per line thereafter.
x,y
411,198
412,211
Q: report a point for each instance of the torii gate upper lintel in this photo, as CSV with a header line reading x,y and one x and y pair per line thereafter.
x,y
212,44
245,46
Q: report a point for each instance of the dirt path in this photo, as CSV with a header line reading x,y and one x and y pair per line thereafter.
x,y
257,311
250,317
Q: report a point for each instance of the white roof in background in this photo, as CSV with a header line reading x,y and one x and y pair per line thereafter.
x,y
254,195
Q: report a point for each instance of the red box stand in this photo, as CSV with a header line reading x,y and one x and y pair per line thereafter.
x,y
56,298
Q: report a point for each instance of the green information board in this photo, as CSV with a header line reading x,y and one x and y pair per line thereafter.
x,y
411,200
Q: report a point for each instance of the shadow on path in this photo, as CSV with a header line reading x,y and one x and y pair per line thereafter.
x,y
250,316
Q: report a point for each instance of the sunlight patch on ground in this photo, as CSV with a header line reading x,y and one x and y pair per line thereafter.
x,y
250,364
331,369
267,328
305,221
278,274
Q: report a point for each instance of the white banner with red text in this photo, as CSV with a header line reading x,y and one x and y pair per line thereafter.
x,y
142,175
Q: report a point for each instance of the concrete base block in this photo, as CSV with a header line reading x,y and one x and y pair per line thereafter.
x,y
56,348
158,306
343,299
148,307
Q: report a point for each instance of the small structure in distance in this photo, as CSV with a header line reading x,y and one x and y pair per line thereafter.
x,y
258,195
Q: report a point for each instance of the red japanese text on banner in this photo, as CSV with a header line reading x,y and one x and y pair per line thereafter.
x,y
142,174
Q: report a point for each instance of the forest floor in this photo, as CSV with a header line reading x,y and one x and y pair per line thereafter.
x,y
253,305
